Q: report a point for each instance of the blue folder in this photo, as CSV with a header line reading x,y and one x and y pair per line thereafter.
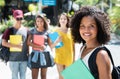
x,y
77,70
53,36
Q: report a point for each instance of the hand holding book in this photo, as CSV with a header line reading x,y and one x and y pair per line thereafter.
x,y
18,46
56,39
59,39
38,41
42,48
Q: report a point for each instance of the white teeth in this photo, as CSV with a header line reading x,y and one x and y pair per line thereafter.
x,y
87,34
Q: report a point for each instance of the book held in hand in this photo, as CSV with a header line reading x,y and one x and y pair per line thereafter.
x,y
77,70
53,36
17,40
38,40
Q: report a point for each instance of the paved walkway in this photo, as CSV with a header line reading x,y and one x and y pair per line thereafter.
x,y
52,71
6,74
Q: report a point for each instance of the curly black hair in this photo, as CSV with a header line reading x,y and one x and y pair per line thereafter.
x,y
102,21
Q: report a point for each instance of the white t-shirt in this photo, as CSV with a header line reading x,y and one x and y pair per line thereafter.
x,y
86,58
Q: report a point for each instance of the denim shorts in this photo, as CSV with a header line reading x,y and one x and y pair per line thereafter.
x,y
40,60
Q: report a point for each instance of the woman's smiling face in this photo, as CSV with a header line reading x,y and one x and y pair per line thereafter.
x,y
88,28
63,20
39,22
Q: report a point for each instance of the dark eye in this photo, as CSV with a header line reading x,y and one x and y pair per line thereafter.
x,y
92,26
82,26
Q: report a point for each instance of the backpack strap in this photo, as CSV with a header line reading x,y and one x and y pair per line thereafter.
x,y
109,54
4,51
11,30
92,60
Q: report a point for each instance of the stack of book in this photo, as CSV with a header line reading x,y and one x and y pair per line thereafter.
x,y
54,36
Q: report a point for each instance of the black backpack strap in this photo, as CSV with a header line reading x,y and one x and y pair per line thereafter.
x,y
11,30
92,63
4,51
109,54
92,60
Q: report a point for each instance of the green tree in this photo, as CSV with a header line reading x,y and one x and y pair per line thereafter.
x,y
114,14
2,2
86,2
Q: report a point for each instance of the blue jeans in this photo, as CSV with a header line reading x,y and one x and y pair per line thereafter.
x,y
18,67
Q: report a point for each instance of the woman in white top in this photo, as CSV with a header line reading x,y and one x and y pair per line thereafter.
x,y
91,27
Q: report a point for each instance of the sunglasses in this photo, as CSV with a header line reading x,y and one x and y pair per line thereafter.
x,y
19,19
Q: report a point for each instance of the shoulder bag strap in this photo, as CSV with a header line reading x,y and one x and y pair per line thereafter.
x,y
109,53
11,31
92,58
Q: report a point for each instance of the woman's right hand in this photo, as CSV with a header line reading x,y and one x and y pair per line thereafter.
x,y
42,48
19,46
58,39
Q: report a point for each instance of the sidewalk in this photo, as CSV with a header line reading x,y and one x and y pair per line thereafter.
x,y
6,74
52,71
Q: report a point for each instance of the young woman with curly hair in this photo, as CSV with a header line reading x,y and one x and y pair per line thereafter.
x,y
91,27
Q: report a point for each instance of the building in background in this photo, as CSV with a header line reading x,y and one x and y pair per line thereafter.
x,y
52,8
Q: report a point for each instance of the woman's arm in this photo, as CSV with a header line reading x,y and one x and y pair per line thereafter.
x,y
52,45
7,44
104,65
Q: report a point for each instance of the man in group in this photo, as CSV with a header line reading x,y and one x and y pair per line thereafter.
x,y
18,56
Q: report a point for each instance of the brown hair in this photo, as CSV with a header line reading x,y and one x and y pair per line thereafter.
x,y
45,23
67,19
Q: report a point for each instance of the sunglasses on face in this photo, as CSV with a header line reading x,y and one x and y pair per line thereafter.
x,y
19,19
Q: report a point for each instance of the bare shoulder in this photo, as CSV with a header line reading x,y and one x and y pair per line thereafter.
x,y
103,58
103,65
102,54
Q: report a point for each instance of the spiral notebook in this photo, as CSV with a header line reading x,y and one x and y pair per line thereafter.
x,y
17,40
77,70
53,36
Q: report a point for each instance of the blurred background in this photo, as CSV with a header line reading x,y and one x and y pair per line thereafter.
x,y
52,8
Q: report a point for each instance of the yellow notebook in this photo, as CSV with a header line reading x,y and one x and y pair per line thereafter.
x,y
15,39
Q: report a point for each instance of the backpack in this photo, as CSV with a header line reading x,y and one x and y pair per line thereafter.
x,y
4,51
93,66
0,42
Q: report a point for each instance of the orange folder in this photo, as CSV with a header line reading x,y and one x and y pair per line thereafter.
x,y
39,40
17,40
